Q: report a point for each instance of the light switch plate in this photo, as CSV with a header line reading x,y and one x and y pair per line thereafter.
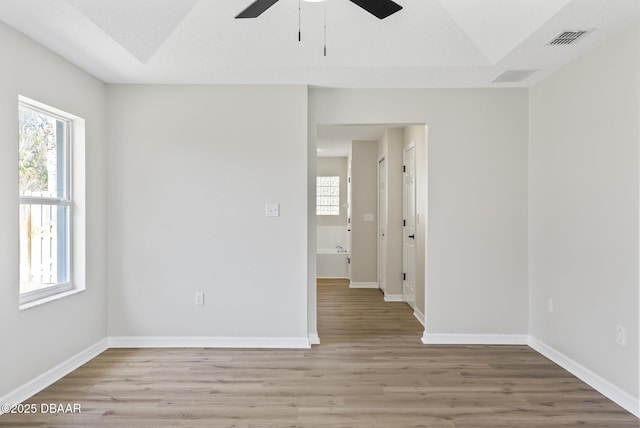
x,y
272,210
199,298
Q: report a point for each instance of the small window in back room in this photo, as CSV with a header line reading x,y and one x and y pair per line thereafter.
x,y
328,195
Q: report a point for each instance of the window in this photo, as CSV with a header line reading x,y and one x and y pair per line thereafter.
x,y
328,195
45,200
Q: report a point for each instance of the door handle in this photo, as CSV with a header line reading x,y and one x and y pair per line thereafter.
x,y
412,236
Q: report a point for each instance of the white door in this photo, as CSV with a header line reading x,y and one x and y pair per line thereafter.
x,y
382,223
409,227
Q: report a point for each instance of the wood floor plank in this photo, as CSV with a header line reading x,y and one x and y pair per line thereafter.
x,y
369,371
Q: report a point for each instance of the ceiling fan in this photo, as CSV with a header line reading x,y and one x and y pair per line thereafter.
x,y
380,8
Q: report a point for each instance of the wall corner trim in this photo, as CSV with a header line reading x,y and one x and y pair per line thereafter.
x,y
363,285
603,386
54,374
208,342
314,339
393,298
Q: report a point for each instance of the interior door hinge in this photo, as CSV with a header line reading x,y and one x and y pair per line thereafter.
x,y
404,223
404,276
404,168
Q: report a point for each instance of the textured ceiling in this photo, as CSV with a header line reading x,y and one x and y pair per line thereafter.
x,y
121,20
429,43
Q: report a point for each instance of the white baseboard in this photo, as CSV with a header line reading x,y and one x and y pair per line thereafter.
x,y
419,316
314,339
364,285
393,298
51,376
208,342
474,339
606,388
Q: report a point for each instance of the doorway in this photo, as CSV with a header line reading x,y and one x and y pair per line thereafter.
x,y
402,247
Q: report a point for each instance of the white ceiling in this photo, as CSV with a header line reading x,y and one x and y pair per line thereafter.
x,y
429,43
335,140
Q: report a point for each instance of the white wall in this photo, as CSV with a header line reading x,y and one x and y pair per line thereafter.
x,y
584,189
312,234
390,147
37,339
330,237
191,169
364,201
477,249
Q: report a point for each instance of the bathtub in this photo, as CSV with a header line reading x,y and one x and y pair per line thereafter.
x,y
332,263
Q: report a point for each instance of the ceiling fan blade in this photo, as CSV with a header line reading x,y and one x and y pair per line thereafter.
x,y
379,8
256,8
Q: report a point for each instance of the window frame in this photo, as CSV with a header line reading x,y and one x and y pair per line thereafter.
x,y
64,200
330,186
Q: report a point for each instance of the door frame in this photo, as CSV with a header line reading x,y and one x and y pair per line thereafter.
x,y
406,263
382,224
422,159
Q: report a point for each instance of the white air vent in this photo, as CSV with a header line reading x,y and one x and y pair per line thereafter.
x,y
512,76
568,37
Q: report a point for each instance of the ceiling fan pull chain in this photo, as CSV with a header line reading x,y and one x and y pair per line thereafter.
x,y
325,28
299,32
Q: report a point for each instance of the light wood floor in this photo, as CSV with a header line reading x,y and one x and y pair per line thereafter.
x,y
369,371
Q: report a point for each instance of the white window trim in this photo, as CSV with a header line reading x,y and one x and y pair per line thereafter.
x,y
76,200
339,196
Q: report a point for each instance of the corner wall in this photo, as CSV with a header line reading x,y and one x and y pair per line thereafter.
x,y
36,340
584,192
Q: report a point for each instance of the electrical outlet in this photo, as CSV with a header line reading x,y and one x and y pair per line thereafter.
x,y
199,298
272,210
621,335
549,305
